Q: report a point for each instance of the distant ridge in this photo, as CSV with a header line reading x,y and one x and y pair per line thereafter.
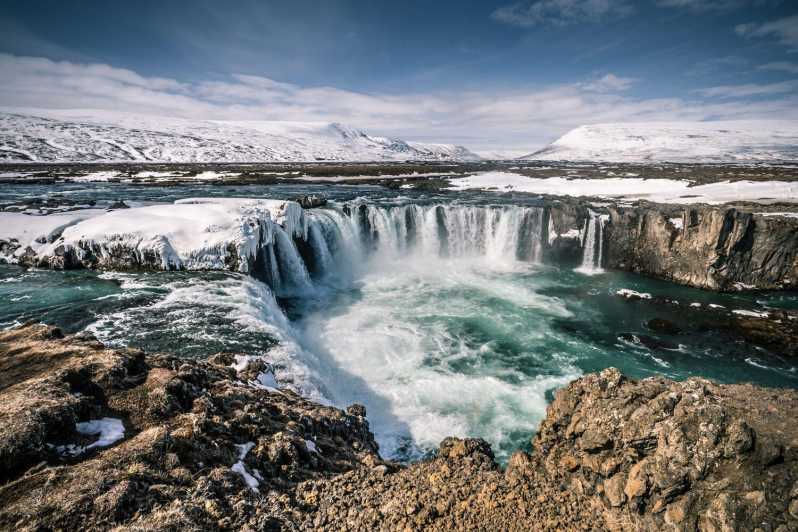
x,y
102,136
708,142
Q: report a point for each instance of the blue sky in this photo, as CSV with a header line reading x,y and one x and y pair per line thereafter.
x,y
492,75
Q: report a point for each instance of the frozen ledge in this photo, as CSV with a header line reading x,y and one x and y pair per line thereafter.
x,y
190,234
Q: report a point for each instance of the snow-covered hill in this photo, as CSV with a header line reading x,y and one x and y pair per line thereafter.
x,y
677,142
101,136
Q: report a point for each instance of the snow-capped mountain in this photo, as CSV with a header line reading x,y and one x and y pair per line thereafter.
x,y
102,136
709,142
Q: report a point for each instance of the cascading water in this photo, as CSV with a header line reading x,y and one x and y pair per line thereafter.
x,y
340,239
386,341
593,244
502,234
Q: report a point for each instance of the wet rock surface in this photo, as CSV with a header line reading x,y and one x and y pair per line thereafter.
x,y
205,447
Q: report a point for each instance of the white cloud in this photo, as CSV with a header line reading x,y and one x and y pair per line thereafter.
x,y
750,89
520,119
783,29
609,83
780,66
561,12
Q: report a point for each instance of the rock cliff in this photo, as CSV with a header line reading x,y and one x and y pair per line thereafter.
x,y
211,445
712,247
708,247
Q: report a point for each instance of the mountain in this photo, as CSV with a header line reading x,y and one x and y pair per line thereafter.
x,y
710,142
102,136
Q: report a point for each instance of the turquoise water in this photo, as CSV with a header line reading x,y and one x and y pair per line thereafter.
x,y
432,346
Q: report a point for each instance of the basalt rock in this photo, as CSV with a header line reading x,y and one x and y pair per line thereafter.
x,y
564,223
718,248
205,447
310,201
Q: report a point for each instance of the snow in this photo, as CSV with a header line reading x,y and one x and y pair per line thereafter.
x,y
193,234
27,228
779,214
335,179
266,379
14,174
109,429
715,305
95,177
241,469
157,174
751,313
678,223
104,136
632,294
722,141
211,175
634,188
696,305
35,231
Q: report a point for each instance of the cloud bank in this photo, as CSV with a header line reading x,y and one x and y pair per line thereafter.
x,y
486,120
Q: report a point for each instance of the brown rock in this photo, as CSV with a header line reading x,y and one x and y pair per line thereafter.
x,y
614,490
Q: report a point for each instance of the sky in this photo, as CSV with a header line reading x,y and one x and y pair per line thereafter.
x,y
496,76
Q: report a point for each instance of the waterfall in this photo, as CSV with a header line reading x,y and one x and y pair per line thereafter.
x,y
501,234
340,239
593,244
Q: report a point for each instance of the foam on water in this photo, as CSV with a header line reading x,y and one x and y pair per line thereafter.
x,y
231,312
423,355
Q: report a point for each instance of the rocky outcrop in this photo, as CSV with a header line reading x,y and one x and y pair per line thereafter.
x,y
202,445
717,248
565,225
693,455
311,201
206,446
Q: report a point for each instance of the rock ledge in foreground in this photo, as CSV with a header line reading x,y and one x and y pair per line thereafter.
x,y
203,448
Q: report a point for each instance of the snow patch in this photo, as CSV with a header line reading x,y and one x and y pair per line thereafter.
x,y
628,293
109,429
241,469
779,214
634,188
750,313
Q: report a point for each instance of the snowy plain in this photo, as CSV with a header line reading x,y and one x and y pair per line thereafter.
x,y
634,188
